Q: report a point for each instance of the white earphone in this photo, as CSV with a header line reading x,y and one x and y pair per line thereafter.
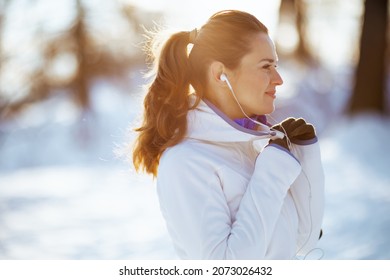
x,y
224,78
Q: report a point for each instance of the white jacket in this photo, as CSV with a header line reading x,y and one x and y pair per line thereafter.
x,y
222,199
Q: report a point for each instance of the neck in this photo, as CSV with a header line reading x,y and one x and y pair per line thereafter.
x,y
224,102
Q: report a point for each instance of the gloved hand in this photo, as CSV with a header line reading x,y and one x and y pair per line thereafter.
x,y
296,130
280,142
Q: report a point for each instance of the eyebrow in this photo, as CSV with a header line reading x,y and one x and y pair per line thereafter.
x,y
270,60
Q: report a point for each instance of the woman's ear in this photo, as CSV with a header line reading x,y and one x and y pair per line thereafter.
x,y
215,71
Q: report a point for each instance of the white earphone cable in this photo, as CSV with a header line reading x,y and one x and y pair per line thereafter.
x,y
225,79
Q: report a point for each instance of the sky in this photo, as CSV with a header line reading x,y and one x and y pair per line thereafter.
x,y
191,14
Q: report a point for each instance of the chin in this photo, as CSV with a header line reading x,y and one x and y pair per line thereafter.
x,y
268,110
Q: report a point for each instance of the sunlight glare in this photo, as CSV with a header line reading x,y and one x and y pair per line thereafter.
x,y
193,14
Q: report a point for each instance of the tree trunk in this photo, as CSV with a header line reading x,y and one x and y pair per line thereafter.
x,y
82,78
370,77
294,12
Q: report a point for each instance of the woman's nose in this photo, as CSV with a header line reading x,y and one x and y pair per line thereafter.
x,y
276,78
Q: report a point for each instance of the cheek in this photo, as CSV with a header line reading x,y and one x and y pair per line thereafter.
x,y
253,84
260,83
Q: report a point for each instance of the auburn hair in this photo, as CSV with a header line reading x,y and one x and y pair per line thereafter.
x,y
225,38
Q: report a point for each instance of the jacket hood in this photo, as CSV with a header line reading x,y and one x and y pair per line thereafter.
x,y
207,123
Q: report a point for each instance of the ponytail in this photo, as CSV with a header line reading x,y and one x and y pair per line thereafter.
x,y
165,105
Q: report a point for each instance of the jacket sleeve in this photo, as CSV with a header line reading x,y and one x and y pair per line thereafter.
x,y
308,194
197,215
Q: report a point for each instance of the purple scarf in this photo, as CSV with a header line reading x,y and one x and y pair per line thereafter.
x,y
245,122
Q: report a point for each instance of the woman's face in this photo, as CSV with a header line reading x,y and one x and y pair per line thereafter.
x,y
254,81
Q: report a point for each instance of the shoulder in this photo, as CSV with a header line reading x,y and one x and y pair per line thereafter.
x,y
185,170
193,161
185,151
182,157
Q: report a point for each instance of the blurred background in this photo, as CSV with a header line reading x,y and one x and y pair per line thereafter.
x,y
71,77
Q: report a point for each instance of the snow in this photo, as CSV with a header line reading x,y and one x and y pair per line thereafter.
x,y
356,160
64,194
80,212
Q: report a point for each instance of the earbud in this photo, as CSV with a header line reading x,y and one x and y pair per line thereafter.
x,y
224,78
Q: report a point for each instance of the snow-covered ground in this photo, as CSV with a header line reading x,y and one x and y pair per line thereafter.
x,y
65,195
356,158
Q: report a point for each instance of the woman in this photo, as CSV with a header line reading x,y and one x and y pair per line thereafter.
x,y
229,186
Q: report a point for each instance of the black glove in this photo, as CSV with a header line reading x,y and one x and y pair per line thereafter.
x,y
280,142
296,130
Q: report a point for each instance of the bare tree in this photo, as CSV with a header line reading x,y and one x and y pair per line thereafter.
x,y
370,77
3,8
82,77
95,56
294,12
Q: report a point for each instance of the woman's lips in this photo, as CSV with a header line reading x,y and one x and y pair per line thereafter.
x,y
271,93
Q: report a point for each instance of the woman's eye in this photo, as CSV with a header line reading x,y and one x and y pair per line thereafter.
x,y
269,66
